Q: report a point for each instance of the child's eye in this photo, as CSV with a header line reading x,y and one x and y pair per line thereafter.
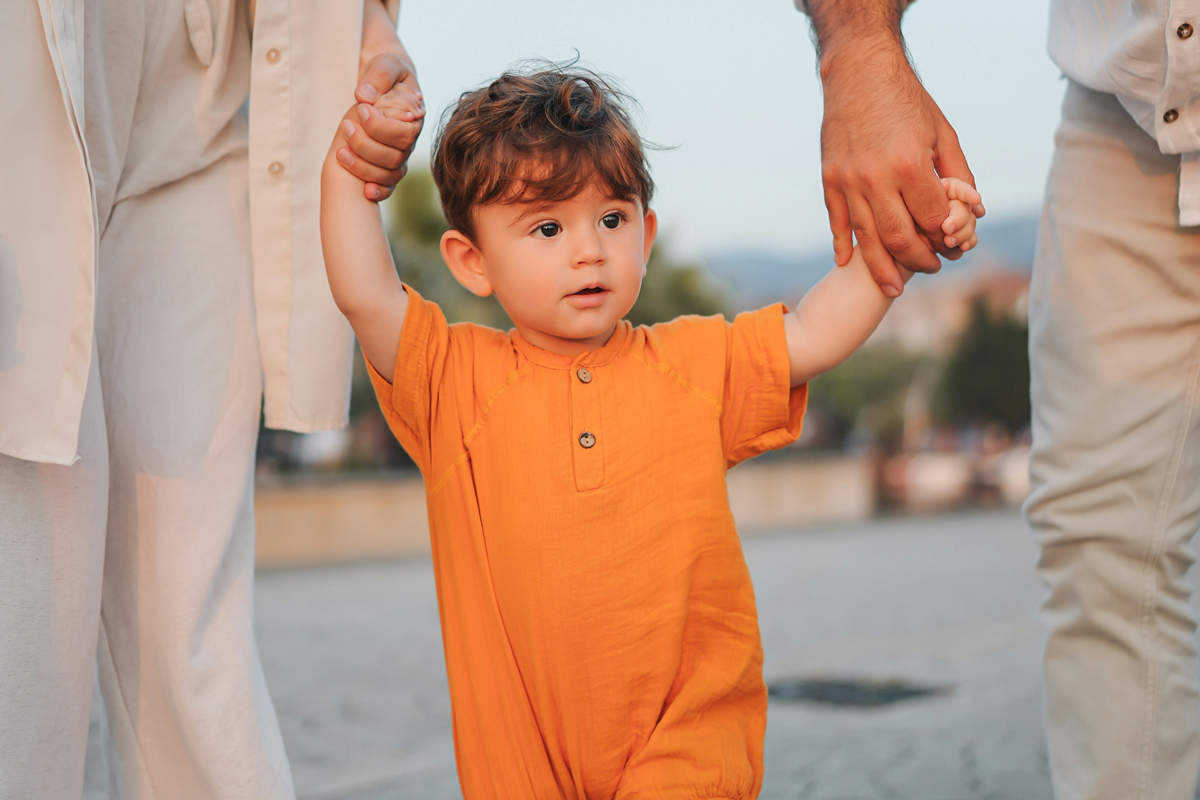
x,y
549,229
613,221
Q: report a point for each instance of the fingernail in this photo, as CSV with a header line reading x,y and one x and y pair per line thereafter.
x,y
891,291
364,113
369,92
345,156
951,241
375,193
348,128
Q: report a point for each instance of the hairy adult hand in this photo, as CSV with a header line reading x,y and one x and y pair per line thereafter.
x,y
383,146
884,144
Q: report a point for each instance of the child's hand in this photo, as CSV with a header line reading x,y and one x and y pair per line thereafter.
x,y
396,116
965,206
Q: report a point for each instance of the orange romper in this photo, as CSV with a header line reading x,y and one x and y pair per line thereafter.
x,y
598,619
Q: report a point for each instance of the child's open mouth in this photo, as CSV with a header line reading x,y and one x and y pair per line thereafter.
x,y
588,297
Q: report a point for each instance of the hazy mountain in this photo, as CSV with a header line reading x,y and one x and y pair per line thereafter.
x,y
757,276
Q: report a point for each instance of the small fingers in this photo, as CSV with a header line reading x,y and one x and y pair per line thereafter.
x,y
400,104
958,217
961,190
961,228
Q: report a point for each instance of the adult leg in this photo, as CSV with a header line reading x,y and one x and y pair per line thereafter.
x,y
51,559
1115,349
187,709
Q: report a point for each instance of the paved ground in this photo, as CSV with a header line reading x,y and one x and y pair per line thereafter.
x,y
353,657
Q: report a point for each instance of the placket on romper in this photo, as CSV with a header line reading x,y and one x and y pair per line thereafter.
x,y
587,429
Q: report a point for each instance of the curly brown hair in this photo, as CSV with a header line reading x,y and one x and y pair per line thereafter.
x,y
540,134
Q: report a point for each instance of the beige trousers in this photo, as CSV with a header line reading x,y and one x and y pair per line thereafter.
x,y
1115,349
140,557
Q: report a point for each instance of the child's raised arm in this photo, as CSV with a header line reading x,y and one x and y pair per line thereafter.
x,y
844,308
362,275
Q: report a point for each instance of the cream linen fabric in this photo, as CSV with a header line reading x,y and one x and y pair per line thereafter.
x,y
1136,50
303,70
1115,347
128,345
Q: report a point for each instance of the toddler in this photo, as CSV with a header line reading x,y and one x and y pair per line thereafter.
x,y
600,630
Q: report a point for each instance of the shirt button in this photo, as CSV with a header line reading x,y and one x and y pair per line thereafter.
x,y
1185,30
1170,116
275,168
587,440
583,375
272,56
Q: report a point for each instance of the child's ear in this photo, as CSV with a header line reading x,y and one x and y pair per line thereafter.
x,y
650,223
465,262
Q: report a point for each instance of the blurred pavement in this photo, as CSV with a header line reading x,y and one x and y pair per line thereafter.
x,y
353,658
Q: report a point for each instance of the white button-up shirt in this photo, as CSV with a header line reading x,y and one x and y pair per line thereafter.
x,y
304,69
1147,53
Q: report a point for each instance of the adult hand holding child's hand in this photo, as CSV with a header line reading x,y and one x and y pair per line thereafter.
x,y
390,110
884,144
395,118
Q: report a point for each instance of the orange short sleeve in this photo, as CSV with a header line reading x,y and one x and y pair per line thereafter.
x,y
407,403
760,411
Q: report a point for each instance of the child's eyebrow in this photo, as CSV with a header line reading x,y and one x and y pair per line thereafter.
x,y
530,210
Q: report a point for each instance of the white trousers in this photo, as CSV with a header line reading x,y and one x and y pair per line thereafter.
x,y
1115,350
140,557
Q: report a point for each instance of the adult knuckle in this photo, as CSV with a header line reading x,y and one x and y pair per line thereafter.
x,y
906,165
872,178
832,176
893,240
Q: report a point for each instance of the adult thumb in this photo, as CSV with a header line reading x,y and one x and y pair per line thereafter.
x,y
378,78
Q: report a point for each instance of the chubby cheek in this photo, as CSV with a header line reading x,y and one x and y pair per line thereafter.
x,y
629,279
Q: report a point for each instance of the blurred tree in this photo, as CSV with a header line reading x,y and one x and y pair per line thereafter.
x,y
671,289
987,376
866,394
415,225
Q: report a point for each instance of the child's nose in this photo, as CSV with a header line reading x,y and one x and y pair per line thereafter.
x,y
588,250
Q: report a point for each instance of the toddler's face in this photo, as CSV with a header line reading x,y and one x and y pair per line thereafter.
x,y
566,272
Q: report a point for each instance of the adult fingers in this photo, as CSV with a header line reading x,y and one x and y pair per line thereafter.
x,y
925,198
366,171
370,150
879,261
839,223
897,232
948,157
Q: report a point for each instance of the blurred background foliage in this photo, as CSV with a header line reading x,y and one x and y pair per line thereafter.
x,y
986,379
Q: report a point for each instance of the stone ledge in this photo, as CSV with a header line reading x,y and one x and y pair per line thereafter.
x,y
323,521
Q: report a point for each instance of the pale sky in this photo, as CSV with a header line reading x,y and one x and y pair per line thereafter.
x,y
732,84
